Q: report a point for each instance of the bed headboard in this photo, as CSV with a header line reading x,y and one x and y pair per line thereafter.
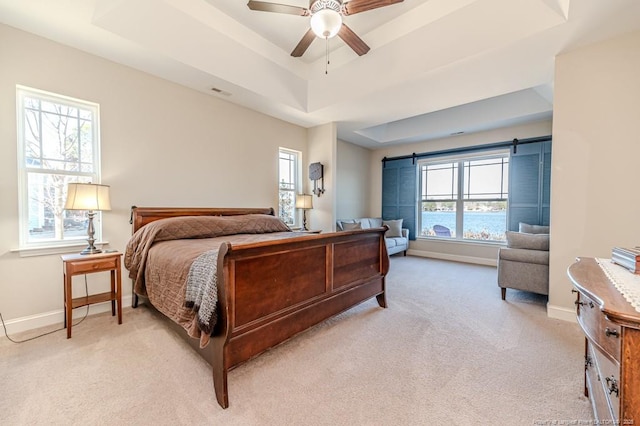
x,y
140,216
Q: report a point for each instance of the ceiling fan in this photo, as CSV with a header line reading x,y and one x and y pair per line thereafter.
x,y
326,19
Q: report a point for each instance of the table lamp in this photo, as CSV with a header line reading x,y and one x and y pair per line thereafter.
x,y
304,202
91,197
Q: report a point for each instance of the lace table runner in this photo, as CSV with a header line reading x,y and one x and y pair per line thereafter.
x,y
624,280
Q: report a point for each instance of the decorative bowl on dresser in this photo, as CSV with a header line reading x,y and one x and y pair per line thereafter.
x,y
612,344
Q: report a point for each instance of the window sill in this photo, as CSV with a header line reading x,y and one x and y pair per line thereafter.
x,y
461,241
45,250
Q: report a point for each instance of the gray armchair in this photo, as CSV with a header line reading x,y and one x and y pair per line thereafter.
x,y
524,263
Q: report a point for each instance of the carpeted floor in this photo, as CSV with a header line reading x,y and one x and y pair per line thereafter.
x,y
447,351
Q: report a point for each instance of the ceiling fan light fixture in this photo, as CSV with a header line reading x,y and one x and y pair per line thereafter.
x,y
326,23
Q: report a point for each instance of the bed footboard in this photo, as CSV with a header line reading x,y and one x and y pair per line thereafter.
x,y
272,290
275,290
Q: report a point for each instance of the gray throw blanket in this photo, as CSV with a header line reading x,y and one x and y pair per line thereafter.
x,y
202,289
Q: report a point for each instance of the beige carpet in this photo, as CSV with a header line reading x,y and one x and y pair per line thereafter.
x,y
447,351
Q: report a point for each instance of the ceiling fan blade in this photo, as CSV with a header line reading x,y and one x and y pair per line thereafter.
x,y
352,39
304,44
263,6
357,6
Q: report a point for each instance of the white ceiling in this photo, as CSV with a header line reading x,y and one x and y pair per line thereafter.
x,y
435,68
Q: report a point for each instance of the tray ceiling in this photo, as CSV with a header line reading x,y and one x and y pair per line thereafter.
x,y
436,67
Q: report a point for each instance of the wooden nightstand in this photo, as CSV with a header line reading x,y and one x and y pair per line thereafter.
x,y
77,264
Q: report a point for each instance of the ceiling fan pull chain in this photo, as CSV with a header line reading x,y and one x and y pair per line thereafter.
x,y
326,54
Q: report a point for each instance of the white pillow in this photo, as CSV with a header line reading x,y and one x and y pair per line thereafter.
x,y
395,228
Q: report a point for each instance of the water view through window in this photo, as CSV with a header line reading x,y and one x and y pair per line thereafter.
x,y
478,225
465,198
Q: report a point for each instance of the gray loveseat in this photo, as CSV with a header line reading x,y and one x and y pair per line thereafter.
x,y
524,263
396,238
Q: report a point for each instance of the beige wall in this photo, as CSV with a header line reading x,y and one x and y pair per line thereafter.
x,y
323,149
596,147
162,145
353,171
449,250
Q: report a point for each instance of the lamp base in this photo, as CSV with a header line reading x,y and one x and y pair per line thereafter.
x,y
91,250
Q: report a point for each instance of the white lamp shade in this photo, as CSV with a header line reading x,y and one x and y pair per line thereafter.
x,y
304,201
326,23
87,196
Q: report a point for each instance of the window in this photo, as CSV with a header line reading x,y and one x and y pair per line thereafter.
x,y
464,198
289,185
58,143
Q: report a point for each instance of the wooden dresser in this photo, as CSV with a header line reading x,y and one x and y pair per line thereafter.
x,y
612,345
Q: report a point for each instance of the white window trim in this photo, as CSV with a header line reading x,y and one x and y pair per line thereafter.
x,y
297,216
456,158
53,246
45,250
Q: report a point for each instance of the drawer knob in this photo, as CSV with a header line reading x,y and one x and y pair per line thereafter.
x,y
577,302
609,332
587,361
612,385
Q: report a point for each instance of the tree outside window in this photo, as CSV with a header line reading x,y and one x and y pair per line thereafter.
x,y
288,186
58,144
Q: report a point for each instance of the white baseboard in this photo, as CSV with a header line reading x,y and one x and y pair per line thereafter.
x,y
18,325
453,257
562,313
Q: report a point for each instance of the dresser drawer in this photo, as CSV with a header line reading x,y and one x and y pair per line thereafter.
x,y
609,372
598,328
597,395
612,370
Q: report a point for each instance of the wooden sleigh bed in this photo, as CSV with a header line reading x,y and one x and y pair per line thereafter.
x,y
269,289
